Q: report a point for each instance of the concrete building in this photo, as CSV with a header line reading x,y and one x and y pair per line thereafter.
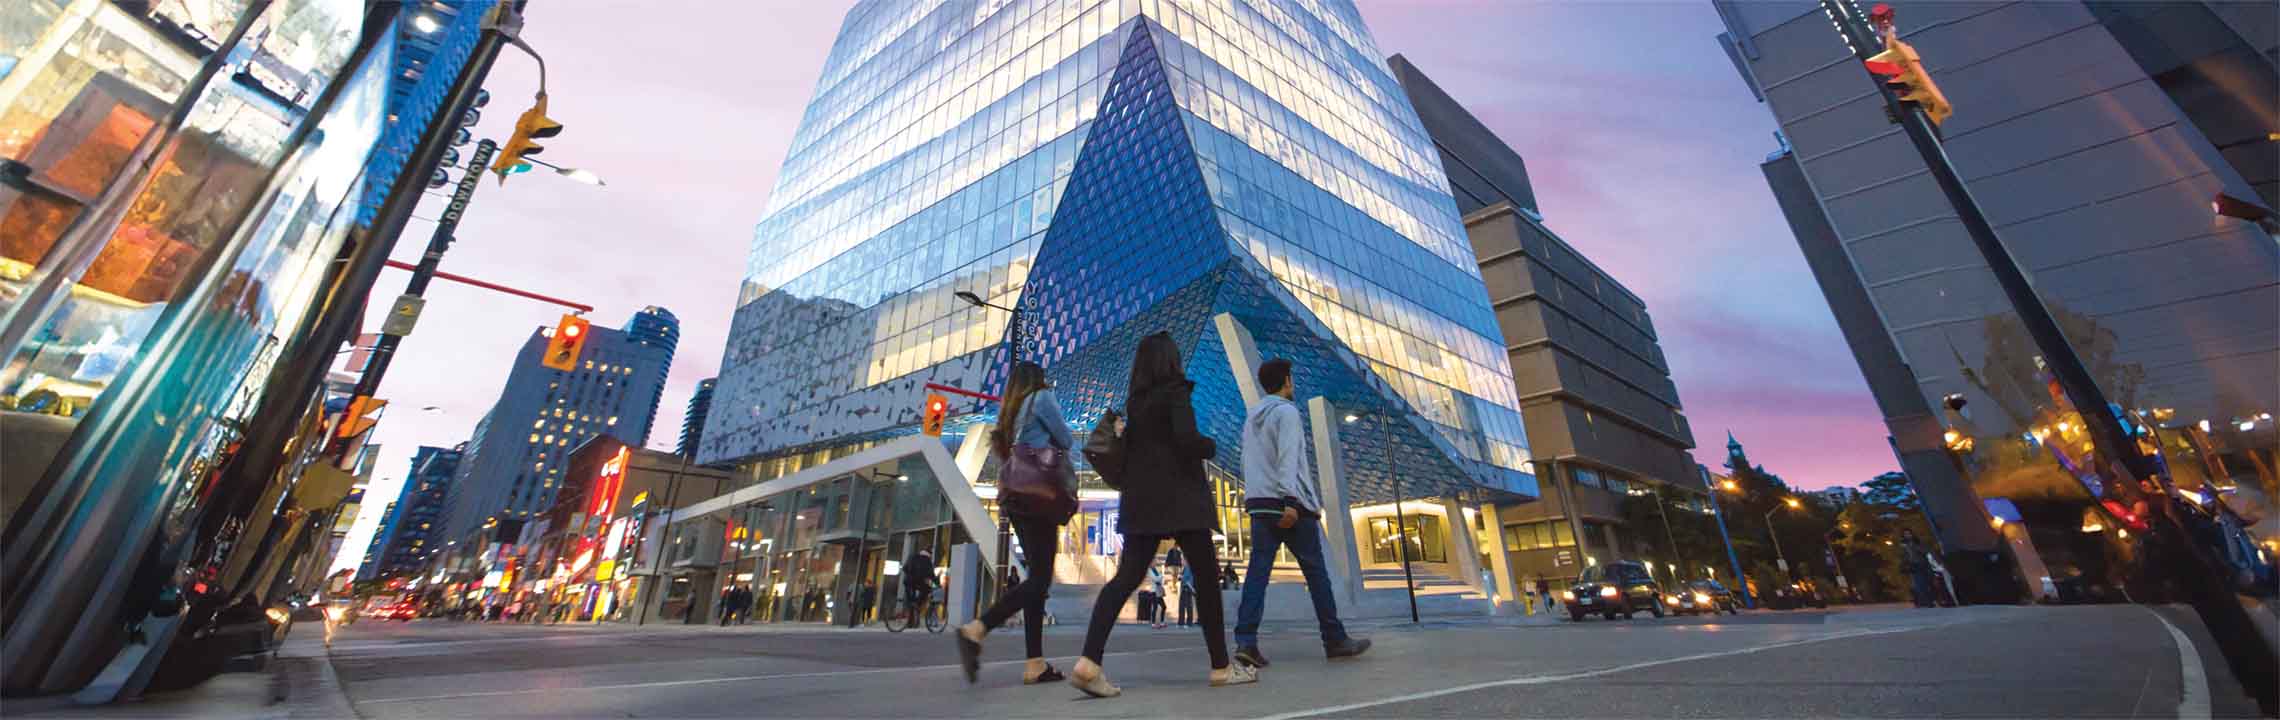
x,y
693,422
1595,392
515,461
2095,135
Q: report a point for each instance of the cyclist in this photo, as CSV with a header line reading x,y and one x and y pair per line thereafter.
x,y
918,584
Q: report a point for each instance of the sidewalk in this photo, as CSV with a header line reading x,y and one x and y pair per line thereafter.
x,y
298,683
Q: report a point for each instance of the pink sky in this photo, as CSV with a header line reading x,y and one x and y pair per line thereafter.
x,y
1642,142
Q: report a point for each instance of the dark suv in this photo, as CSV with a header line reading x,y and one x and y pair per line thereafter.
x,y
1617,588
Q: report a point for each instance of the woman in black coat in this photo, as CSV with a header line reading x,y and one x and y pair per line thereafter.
x,y
1165,496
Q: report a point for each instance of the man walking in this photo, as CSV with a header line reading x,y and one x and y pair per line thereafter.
x,y
1285,511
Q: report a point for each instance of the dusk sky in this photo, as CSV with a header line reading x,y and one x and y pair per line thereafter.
x,y
1641,141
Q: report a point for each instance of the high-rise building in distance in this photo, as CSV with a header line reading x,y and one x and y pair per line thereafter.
x,y
411,531
693,422
515,460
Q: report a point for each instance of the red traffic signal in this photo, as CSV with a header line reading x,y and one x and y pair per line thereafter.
x,y
568,341
1903,70
937,410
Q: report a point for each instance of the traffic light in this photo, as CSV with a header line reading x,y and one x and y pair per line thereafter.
x,y
1903,70
569,340
532,125
937,410
363,412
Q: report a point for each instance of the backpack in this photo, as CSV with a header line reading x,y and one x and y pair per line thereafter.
x,y
1104,449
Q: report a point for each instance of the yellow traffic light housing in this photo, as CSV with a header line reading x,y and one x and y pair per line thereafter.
x,y
569,340
363,413
1903,70
532,125
937,410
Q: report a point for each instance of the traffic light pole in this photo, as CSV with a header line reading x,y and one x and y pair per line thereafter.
x,y
440,241
2200,574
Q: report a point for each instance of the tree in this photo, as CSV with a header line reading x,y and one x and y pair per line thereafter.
x,y
1891,490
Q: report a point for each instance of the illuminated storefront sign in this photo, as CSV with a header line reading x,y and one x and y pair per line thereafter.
x,y
603,499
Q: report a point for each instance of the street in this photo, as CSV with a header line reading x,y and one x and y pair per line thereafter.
x,y
2098,661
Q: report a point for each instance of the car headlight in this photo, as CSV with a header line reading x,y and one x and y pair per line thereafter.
x,y
1702,597
1670,599
277,615
1567,595
1607,592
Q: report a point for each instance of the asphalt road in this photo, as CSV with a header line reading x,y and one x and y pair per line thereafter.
x,y
2102,661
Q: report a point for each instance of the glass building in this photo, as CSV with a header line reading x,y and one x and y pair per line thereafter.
x,y
1115,168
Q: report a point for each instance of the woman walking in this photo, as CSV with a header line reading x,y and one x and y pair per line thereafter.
x,y
1029,422
1165,495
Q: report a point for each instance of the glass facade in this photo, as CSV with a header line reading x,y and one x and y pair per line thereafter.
x,y
1115,168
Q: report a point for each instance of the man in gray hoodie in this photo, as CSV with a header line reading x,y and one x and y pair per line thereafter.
x,y
1286,511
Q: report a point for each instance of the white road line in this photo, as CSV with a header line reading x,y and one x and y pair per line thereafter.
x,y
746,678
2193,700
1542,679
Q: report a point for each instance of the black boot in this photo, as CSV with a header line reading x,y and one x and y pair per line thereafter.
x,y
1347,648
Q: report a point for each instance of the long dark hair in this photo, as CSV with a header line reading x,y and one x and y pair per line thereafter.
x,y
1157,364
1025,380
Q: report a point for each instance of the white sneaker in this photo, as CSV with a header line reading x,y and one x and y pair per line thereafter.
x,y
1234,674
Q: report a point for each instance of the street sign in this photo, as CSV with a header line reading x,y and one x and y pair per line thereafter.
x,y
403,315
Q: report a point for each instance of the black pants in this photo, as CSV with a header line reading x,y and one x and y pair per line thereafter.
x,y
1132,567
1040,540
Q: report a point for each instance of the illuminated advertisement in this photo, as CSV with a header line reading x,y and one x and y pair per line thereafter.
x,y
603,499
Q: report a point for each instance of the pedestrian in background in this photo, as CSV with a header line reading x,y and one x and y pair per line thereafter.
x,y
1149,597
1286,512
1187,597
1228,579
1165,495
1914,559
1029,422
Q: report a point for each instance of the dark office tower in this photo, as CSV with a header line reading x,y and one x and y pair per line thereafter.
x,y
693,423
1595,392
515,461
2095,136
412,531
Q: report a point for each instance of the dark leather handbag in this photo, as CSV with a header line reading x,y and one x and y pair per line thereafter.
x,y
1030,485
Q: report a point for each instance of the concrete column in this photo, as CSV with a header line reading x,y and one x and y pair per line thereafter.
x,y
974,450
1467,550
1508,595
964,584
1341,553
1242,356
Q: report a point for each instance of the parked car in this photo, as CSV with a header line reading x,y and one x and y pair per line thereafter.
x,y
1617,588
1703,596
401,611
1796,595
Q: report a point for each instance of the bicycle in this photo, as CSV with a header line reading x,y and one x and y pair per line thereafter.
x,y
935,617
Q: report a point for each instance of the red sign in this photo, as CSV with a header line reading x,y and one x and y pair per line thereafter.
x,y
606,486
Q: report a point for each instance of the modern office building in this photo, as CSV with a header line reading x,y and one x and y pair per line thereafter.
x,y
369,568
1247,177
2095,135
1595,392
411,532
693,422
516,459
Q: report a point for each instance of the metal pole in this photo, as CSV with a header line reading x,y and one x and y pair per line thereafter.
x,y
1740,581
438,243
1777,542
1667,536
1400,519
2200,574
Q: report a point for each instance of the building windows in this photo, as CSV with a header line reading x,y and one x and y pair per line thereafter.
x,y
1589,477
1539,535
1426,543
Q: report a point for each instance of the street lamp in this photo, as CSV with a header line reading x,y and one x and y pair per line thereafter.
x,y
577,174
1741,579
1791,503
1012,358
1400,520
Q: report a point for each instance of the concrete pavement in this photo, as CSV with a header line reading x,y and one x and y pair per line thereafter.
x,y
2103,661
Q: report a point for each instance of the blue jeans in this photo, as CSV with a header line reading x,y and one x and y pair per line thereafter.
x,y
1305,542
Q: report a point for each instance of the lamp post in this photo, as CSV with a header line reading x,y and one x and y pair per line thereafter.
x,y
1668,538
1012,359
1400,519
1789,502
1740,580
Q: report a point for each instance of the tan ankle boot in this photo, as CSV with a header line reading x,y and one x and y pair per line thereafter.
x,y
1088,677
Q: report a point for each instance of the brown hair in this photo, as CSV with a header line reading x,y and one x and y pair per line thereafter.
x,y
1027,378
